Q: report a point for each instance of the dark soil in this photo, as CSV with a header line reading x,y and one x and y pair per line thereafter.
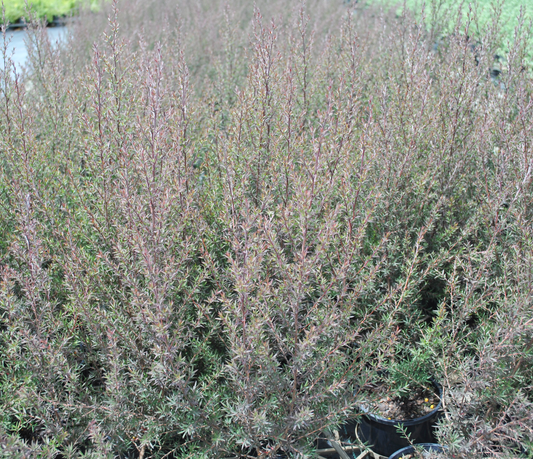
x,y
381,402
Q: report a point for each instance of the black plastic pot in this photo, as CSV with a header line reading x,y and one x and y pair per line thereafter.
x,y
382,435
411,449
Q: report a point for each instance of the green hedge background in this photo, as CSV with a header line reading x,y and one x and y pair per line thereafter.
x,y
16,9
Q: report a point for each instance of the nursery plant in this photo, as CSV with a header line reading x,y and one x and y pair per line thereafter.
x,y
218,220
400,407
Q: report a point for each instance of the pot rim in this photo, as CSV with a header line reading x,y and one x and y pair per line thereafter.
x,y
410,448
407,422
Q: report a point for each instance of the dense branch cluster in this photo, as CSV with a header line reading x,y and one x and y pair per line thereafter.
x,y
218,221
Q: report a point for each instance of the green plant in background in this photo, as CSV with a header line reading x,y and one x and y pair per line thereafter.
x,y
44,9
507,10
442,14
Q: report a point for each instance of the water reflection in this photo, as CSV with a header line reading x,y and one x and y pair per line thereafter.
x,y
16,48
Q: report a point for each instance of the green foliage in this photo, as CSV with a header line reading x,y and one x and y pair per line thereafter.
x,y
444,13
42,9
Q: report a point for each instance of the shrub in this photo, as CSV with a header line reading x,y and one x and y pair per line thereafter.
x,y
219,221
